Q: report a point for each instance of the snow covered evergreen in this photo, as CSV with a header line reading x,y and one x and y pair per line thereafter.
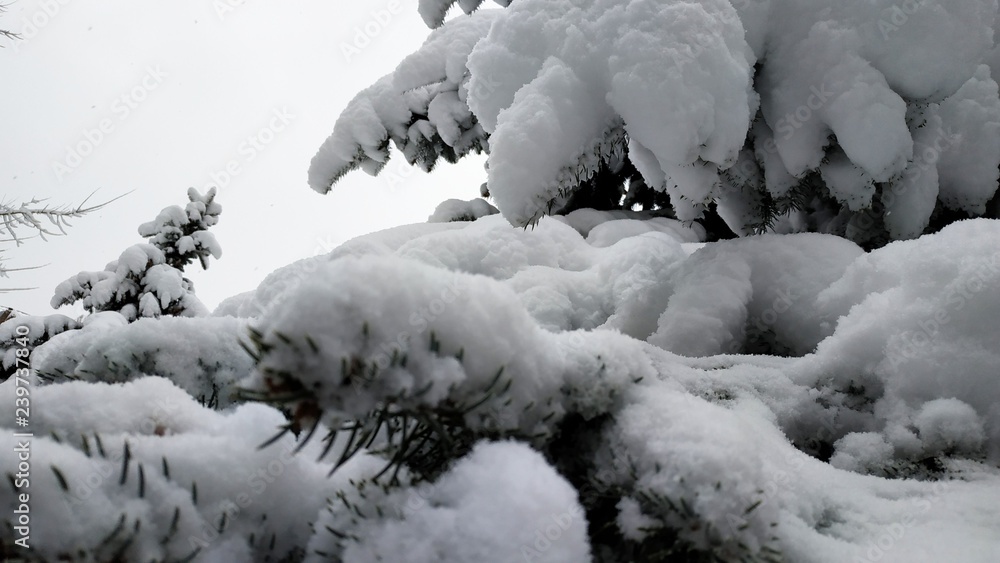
x,y
613,384
147,279
871,120
145,282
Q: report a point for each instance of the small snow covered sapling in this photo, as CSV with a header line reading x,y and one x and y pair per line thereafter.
x,y
182,234
146,283
147,279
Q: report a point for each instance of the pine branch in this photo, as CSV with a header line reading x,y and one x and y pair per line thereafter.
x,y
8,34
30,215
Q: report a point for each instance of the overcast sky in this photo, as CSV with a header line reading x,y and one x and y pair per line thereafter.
x,y
161,96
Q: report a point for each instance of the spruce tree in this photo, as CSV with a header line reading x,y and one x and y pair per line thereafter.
x,y
147,279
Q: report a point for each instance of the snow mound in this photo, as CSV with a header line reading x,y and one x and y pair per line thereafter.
x,y
754,295
141,472
502,502
708,453
458,210
430,396
917,325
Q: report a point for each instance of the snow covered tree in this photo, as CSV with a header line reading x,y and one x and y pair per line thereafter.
x,y
182,234
147,279
607,386
814,120
40,219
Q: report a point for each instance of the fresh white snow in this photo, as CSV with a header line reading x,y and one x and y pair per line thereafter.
x,y
599,385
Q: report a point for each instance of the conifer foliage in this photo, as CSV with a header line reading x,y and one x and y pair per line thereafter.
x,y
612,385
434,11
784,127
147,279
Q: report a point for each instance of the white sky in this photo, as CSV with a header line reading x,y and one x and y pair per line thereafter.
x,y
225,74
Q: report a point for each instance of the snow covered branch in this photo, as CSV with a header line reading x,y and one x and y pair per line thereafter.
x,y
786,115
433,12
4,32
28,215
41,220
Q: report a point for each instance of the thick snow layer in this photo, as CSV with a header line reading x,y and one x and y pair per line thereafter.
x,y
918,324
368,330
140,283
564,281
542,335
711,100
433,11
735,295
201,356
680,67
458,210
285,279
710,447
142,470
502,502
538,135
421,108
